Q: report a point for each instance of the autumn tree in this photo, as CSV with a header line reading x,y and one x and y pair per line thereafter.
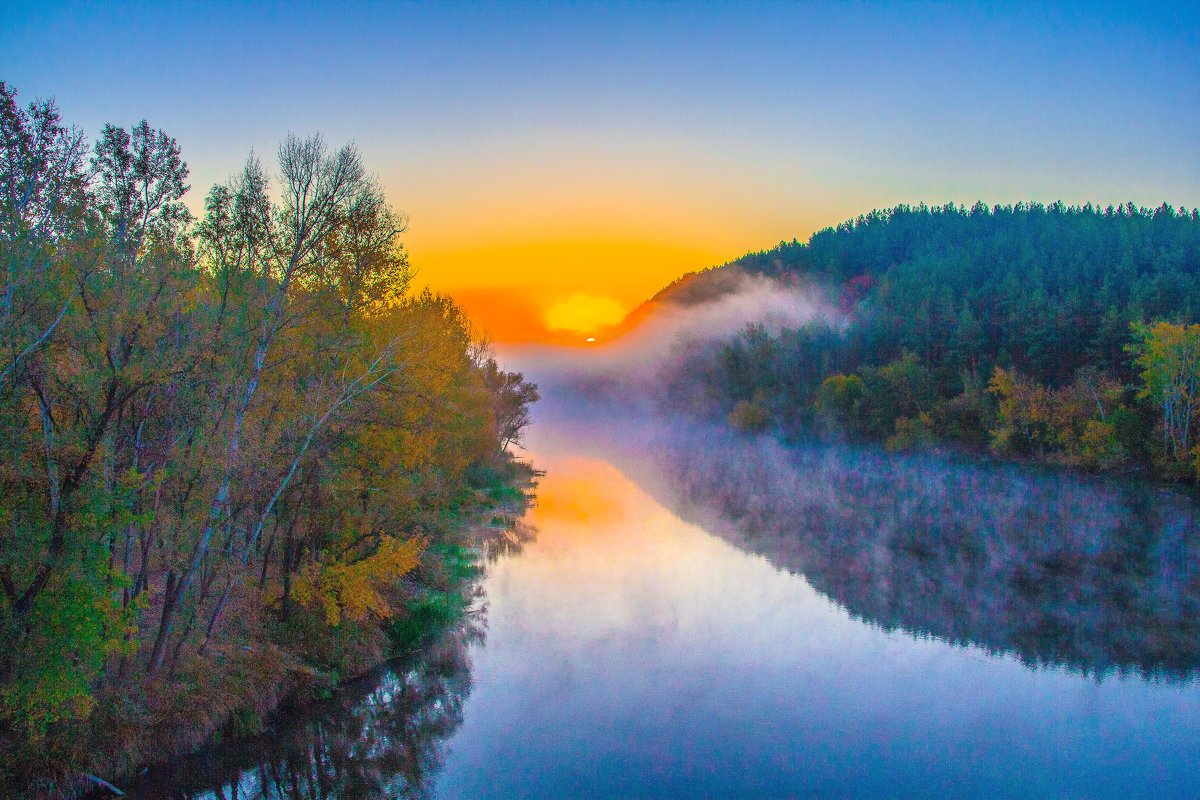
x,y
68,502
1169,358
512,397
227,447
43,207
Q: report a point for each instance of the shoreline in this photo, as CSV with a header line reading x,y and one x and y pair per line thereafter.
x,y
294,685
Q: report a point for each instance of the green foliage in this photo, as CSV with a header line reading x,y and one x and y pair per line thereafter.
x,y
245,722
902,388
912,433
840,398
925,305
74,627
966,417
1169,358
229,448
442,603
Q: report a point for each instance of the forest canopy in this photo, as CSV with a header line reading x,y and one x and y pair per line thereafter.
x,y
1059,333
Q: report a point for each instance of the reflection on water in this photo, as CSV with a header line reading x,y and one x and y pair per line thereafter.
x,y
708,617
1056,569
382,736
1042,642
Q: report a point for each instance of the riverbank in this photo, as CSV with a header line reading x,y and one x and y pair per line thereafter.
x,y
228,691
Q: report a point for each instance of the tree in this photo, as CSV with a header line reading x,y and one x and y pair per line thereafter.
x,y
1169,357
512,396
840,398
278,245
925,303
115,246
43,204
226,448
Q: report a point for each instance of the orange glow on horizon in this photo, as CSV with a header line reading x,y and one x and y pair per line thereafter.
x,y
565,252
583,313
515,230
555,292
518,233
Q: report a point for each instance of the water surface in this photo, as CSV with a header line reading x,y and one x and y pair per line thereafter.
x,y
730,619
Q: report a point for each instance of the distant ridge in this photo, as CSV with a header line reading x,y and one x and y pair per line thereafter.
x,y
836,255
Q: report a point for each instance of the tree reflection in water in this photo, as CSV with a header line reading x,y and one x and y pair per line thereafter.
x,y
380,736
506,540
1101,577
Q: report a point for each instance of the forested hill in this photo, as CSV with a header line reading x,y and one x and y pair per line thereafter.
x,y
1042,288
1049,295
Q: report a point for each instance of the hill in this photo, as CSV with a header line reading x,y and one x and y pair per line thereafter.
x,y
1063,334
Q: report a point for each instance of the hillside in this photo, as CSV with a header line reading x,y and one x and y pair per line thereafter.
x,y
1063,334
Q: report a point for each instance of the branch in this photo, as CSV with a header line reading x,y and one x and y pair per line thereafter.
x,y
38,342
354,389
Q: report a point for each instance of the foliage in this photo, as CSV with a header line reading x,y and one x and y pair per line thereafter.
x,y
511,398
214,433
911,433
1023,328
839,399
354,590
749,416
1169,357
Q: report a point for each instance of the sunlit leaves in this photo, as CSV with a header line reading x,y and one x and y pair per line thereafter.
x,y
210,434
1073,424
1169,357
353,590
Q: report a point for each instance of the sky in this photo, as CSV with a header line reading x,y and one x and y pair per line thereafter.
x,y
561,162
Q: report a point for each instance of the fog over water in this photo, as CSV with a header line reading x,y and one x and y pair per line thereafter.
x,y
702,614
704,310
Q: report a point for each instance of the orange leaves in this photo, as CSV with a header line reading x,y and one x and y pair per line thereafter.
x,y
355,590
1068,425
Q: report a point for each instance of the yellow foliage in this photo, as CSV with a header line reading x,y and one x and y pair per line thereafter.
x,y
1099,448
911,433
1067,424
353,590
749,417
1169,356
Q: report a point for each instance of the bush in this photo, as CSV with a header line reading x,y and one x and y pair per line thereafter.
x,y
839,399
749,417
1099,447
911,433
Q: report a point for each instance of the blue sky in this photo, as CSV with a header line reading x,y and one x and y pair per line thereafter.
x,y
698,131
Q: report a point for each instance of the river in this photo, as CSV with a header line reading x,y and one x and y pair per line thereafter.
x,y
764,624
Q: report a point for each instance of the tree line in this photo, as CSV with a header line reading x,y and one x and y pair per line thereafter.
x,y
1063,334
232,449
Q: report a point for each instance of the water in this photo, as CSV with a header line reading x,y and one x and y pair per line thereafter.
x,y
700,617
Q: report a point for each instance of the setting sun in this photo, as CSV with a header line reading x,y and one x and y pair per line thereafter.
x,y
538,399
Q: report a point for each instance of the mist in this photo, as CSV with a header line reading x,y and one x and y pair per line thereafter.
x,y
1055,568
626,364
